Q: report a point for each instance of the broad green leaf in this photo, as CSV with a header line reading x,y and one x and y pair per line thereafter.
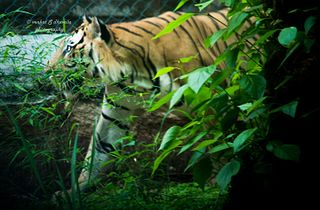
x,y
202,171
211,40
221,147
240,140
198,77
289,109
164,71
287,152
203,5
254,85
309,23
192,141
177,95
169,137
287,36
165,99
236,20
164,154
174,24
226,173
204,144
181,3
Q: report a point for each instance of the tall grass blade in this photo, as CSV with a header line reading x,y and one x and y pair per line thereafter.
x,y
26,147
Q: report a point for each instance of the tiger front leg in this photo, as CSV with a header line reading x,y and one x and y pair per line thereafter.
x,y
113,124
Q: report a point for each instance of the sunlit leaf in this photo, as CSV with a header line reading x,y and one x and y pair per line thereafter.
x,y
169,137
192,141
178,95
198,77
165,99
211,40
174,24
203,5
236,20
181,3
163,71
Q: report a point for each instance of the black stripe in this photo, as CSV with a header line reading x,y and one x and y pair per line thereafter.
x,y
136,53
91,52
154,24
127,30
145,30
104,147
156,82
115,121
139,46
112,103
166,20
194,43
198,27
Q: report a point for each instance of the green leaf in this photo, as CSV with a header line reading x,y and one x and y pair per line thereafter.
x,y
236,20
211,40
204,144
246,106
48,110
181,3
198,77
265,36
195,158
20,87
226,173
163,71
164,154
192,141
177,95
238,143
289,109
309,23
165,99
221,147
203,5
287,36
287,152
174,24
169,137
202,171
187,59
254,85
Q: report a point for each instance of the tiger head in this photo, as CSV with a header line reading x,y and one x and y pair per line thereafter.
x,y
85,54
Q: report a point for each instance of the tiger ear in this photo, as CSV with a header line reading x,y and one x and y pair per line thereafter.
x,y
86,19
96,30
100,30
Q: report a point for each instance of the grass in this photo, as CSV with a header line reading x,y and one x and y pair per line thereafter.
x,y
187,196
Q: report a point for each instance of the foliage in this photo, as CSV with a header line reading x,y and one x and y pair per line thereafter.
x,y
230,107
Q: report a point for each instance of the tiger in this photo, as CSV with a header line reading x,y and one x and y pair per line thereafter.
x,y
125,54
